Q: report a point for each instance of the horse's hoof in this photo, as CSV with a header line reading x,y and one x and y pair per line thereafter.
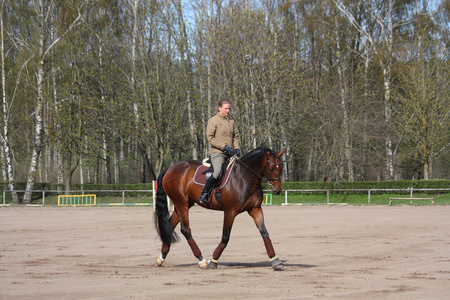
x,y
279,268
203,264
277,265
159,261
212,264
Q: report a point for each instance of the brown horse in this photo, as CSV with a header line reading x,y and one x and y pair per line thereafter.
x,y
241,193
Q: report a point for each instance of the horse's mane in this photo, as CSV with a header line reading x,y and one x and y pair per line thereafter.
x,y
256,151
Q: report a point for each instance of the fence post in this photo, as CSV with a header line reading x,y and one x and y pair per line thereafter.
x,y
123,197
328,196
285,197
154,186
369,197
411,192
4,199
43,198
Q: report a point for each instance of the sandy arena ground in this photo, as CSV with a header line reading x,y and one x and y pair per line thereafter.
x,y
329,252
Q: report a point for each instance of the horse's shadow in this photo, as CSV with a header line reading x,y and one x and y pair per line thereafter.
x,y
262,264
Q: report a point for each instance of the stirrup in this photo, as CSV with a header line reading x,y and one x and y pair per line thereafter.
x,y
204,199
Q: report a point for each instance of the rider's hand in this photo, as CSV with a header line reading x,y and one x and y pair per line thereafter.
x,y
227,149
238,153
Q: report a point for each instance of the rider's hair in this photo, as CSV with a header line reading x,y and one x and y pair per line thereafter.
x,y
222,102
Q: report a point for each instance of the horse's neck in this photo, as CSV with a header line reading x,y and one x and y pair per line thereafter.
x,y
252,166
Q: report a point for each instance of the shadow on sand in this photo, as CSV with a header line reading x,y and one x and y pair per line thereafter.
x,y
262,264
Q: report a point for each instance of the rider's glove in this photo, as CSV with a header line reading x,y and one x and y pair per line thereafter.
x,y
227,149
238,153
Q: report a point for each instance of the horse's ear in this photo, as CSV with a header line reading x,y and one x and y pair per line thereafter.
x,y
281,153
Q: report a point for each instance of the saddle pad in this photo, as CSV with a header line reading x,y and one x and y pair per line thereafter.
x,y
199,176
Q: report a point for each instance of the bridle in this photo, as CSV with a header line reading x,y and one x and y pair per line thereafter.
x,y
269,179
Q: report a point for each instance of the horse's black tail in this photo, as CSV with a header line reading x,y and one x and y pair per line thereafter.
x,y
162,221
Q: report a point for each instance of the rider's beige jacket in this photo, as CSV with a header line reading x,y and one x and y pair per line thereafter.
x,y
221,131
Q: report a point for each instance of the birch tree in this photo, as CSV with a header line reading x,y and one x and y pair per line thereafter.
x,y
381,43
423,109
344,105
41,9
6,104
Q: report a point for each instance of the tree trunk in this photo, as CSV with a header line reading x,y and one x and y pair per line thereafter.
x,y
106,160
365,120
342,95
5,136
387,74
37,144
133,60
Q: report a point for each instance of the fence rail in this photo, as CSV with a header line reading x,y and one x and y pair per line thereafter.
x,y
124,193
368,191
83,192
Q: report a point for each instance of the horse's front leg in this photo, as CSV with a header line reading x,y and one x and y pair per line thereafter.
x,y
226,231
186,231
257,214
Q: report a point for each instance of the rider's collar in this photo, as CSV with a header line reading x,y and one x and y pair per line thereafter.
x,y
222,116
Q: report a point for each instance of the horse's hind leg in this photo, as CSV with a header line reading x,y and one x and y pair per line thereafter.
x,y
175,219
257,215
186,231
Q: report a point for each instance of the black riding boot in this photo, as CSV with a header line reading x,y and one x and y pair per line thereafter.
x,y
205,193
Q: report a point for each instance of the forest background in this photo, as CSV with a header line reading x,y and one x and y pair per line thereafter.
x,y
115,91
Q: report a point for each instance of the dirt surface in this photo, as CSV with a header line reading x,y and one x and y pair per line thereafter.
x,y
351,252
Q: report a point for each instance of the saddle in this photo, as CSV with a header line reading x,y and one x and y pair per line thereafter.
x,y
205,171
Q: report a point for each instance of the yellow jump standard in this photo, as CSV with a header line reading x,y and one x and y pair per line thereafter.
x,y
76,200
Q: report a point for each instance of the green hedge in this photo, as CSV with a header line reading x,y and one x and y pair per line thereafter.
x,y
400,184
87,186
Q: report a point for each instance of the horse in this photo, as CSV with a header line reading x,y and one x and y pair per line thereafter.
x,y
242,192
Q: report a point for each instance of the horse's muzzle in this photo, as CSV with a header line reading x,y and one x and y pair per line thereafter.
x,y
276,191
276,187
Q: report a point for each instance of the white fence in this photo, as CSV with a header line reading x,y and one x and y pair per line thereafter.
x,y
123,194
368,191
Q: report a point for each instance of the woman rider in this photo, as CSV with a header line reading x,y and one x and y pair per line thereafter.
x,y
222,136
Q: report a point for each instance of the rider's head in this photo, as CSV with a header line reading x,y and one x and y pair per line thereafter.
x,y
224,107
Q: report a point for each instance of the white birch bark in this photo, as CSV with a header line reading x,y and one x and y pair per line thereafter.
x,y
133,61
2,157
342,95
365,120
57,125
6,151
116,159
102,101
105,159
37,144
387,74
252,110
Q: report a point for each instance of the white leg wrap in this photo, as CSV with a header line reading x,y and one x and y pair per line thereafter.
x,y
202,264
159,260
